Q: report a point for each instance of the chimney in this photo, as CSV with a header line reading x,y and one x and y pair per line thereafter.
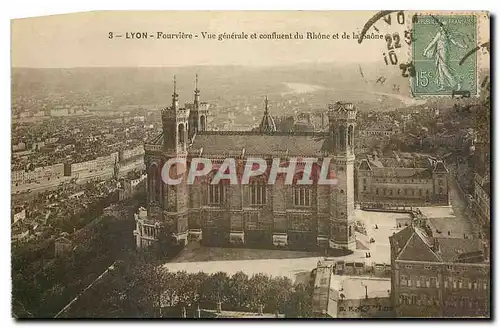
x,y
198,311
183,314
435,245
486,254
261,309
219,307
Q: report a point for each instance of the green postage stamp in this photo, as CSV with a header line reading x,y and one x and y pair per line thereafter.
x,y
440,44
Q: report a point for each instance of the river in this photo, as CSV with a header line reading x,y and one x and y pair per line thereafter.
x,y
298,88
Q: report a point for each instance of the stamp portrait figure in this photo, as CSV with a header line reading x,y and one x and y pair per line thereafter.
x,y
439,49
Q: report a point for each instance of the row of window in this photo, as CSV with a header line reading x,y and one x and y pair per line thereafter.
x,y
426,282
302,196
406,192
423,299
465,283
428,267
433,282
465,302
440,181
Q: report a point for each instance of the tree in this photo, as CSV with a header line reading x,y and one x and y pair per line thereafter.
x,y
239,290
259,290
280,288
215,288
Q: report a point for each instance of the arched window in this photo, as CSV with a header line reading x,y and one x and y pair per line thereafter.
x,y
203,123
216,192
153,182
350,135
181,136
342,137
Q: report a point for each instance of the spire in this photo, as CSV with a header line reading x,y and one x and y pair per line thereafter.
x,y
267,124
196,93
266,112
175,96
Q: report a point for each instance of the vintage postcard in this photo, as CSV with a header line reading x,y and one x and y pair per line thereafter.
x,y
259,164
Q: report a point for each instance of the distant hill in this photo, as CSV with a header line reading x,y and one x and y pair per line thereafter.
x,y
153,85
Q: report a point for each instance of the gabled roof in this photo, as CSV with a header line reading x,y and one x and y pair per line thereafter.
x,y
439,167
413,244
364,166
156,140
417,249
452,248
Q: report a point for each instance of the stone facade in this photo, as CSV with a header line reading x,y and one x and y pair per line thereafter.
x,y
390,186
438,277
257,214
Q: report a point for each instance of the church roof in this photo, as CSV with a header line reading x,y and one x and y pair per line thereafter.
x,y
413,244
267,124
254,143
402,172
156,140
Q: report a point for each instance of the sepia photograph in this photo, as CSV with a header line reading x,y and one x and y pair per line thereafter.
x,y
251,165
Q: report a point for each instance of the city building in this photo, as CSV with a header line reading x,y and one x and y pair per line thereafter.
x,y
380,130
438,277
380,186
481,198
344,296
256,214
130,185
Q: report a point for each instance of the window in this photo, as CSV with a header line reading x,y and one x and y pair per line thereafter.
x,y
428,282
417,282
403,281
257,194
414,299
441,190
460,283
364,180
427,267
485,286
427,192
302,196
364,188
216,194
403,299
408,266
409,282
376,191
399,191
474,285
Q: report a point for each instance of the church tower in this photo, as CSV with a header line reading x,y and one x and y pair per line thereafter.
x,y
342,120
175,142
175,125
267,124
198,113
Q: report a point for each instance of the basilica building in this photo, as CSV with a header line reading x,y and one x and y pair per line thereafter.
x,y
257,214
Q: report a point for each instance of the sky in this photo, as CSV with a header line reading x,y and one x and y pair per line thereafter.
x,y
81,39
